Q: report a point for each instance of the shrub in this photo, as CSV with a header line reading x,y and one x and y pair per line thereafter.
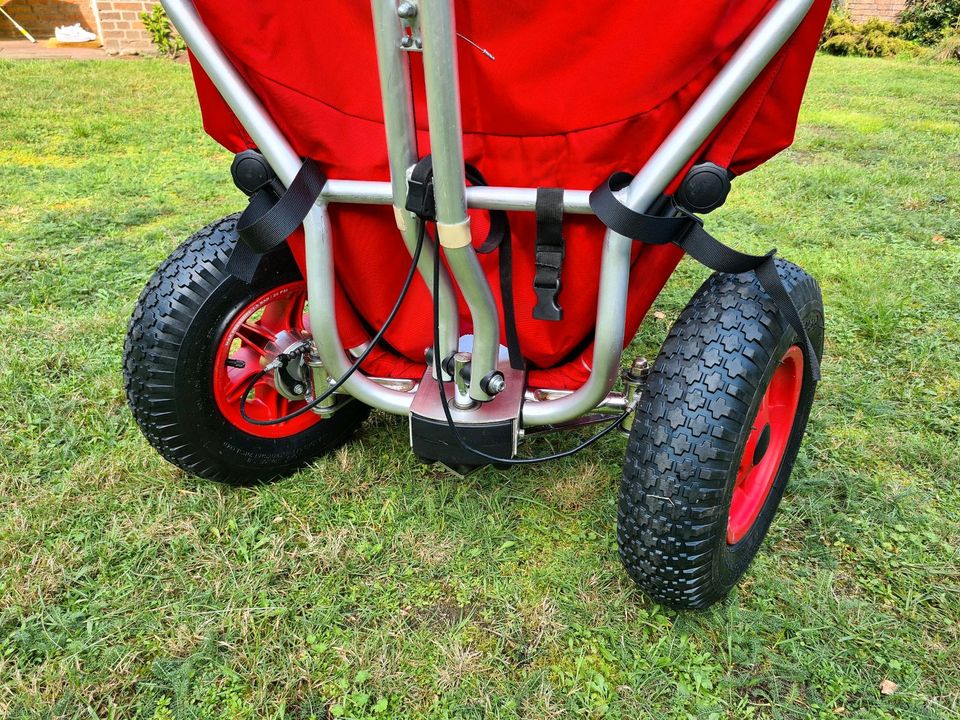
x,y
928,22
161,32
948,48
874,38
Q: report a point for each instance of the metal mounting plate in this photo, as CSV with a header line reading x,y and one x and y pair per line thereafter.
x,y
504,408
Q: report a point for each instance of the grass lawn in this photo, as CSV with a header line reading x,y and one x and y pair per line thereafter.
x,y
368,586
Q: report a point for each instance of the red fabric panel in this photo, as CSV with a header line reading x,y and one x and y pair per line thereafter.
x,y
572,96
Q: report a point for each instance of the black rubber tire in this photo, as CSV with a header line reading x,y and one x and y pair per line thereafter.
x,y
168,366
690,430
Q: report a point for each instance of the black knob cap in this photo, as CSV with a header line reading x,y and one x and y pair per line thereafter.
x,y
704,189
250,171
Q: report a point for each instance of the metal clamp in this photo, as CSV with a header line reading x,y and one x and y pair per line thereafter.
x,y
409,15
634,380
320,381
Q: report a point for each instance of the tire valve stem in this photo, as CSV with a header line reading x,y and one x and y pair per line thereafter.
x,y
234,363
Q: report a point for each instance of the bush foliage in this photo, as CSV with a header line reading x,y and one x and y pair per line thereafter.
x,y
929,22
874,38
162,34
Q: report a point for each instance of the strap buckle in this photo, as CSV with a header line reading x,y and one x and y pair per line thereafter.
x,y
546,307
546,284
550,251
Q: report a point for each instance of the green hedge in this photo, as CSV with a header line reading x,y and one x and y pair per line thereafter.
x,y
929,22
874,38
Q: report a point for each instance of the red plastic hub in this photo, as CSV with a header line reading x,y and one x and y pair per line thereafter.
x,y
254,337
766,446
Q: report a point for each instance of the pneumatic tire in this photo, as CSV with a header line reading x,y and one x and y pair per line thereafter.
x,y
715,437
197,337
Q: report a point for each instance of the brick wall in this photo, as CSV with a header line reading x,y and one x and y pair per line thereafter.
x,y
121,27
861,10
40,17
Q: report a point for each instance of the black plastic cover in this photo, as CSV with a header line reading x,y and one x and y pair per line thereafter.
x,y
251,171
704,189
434,441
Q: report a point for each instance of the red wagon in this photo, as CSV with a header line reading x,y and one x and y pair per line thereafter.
x,y
461,212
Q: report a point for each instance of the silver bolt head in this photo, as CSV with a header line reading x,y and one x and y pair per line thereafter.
x,y
406,41
641,367
496,384
299,389
407,10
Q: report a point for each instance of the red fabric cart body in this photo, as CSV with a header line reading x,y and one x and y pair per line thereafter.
x,y
573,94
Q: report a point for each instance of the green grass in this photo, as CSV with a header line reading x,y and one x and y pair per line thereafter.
x,y
368,586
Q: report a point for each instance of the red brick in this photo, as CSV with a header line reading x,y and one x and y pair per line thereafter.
x,y
861,10
40,17
122,28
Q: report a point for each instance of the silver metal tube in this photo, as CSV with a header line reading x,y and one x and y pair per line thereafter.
x,y
397,98
461,386
443,106
707,112
613,402
575,202
371,192
437,26
285,162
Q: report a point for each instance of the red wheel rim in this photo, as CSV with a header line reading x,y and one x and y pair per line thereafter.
x,y
256,335
766,446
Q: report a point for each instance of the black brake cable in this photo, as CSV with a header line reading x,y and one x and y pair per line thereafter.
x,y
446,407
284,358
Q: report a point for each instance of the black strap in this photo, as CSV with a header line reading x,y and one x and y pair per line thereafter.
x,y
243,262
268,220
687,232
505,262
550,251
421,202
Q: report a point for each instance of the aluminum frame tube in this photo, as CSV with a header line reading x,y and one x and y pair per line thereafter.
x,y
437,28
480,197
285,162
704,116
397,99
575,202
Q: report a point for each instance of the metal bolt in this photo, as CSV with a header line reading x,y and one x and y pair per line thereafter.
x,y
407,10
419,43
299,389
406,41
496,384
641,368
